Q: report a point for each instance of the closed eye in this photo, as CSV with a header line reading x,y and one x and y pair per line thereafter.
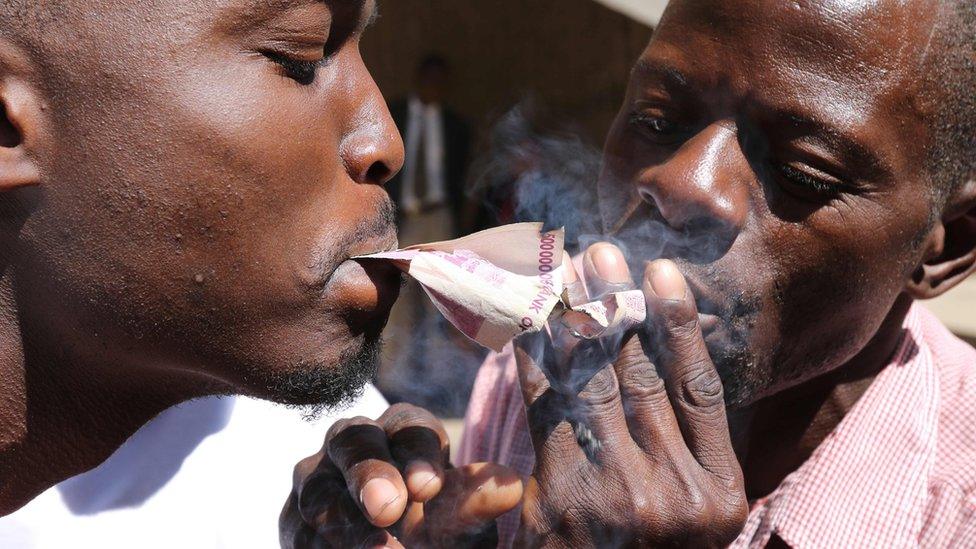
x,y
300,70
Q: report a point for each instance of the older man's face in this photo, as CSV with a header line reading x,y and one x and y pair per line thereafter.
x,y
209,167
776,150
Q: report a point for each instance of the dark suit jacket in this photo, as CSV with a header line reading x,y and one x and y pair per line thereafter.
x,y
457,140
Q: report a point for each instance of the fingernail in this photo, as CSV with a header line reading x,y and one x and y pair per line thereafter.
x,y
667,282
608,263
377,495
419,475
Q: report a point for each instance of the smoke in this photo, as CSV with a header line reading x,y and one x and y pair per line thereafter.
x,y
525,174
530,174
535,171
435,368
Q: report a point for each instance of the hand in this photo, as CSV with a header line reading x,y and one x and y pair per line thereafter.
x,y
389,483
631,440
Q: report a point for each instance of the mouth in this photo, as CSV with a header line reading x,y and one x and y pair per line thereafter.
x,y
365,290
384,243
709,313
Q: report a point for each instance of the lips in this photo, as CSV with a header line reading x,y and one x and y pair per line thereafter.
x,y
385,243
364,291
709,313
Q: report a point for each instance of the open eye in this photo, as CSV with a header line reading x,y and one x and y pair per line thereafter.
x,y
300,70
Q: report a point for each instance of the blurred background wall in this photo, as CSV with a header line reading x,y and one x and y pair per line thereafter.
x,y
573,56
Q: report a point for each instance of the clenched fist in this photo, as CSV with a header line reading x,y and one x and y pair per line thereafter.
x,y
389,483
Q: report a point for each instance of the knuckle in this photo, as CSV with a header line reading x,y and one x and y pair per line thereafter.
x,y
315,495
343,425
631,354
367,469
602,388
701,385
402,414
724,521
641,381
335,429
305,468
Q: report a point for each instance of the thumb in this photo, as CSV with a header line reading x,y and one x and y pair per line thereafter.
x,y
473,497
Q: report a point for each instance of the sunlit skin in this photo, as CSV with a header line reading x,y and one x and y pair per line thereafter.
x,y
793,133
182,185
785,173
772,159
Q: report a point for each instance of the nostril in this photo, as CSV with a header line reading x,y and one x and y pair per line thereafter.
x,y
9,136
378,173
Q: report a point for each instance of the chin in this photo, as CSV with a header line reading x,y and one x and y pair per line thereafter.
x,y
319,383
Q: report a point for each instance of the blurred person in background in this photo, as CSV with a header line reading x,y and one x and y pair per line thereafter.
x,y
432,205
430,189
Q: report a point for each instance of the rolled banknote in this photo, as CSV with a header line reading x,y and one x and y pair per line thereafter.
x,y
496,284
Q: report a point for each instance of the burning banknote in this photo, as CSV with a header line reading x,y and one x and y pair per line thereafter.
x,y
497,284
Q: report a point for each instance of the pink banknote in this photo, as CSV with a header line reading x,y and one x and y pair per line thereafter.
x,y
497,284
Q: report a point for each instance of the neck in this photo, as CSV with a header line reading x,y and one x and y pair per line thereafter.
x,y
776,435
60,416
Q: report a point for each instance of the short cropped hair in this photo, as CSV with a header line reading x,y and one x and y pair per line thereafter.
x,y
951,75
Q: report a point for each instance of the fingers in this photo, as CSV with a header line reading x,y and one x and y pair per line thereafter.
x,y
578,407
419,444
605,270
602,420
693,384
475,495
647,408
319,513
574,290
358,448
530,351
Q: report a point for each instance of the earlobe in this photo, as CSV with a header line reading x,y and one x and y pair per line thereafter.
x,y
952,249
17,167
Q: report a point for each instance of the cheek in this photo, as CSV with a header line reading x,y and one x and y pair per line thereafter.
x,y
835,283
193,224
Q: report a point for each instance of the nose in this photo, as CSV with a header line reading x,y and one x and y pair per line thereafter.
x,y
699,192
372,150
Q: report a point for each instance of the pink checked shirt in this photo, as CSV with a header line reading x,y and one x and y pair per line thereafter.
x,y
898,471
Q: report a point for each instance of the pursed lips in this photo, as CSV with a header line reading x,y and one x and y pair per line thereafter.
x,y
385,243
706,304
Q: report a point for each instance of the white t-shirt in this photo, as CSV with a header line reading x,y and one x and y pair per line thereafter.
x,y
211,473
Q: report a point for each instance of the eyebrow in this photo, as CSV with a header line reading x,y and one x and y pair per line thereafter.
x,y
670,75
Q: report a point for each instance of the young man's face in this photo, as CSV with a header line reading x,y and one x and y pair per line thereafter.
x,y
209,167
778,153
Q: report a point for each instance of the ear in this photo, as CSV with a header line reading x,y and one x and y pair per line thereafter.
x,y
17,167
951,245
